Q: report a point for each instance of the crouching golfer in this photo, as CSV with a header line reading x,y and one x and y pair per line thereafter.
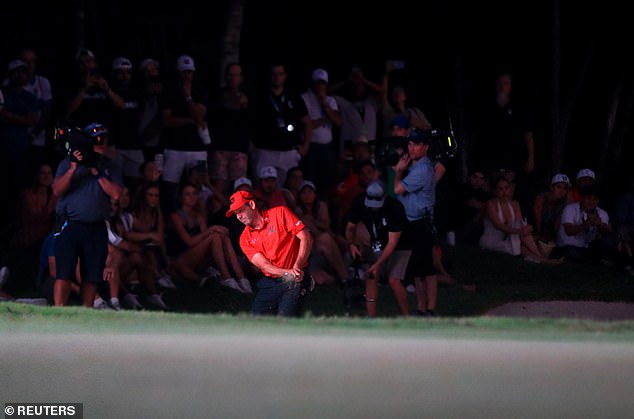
x,y
277,243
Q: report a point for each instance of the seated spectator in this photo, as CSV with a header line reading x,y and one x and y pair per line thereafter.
x,y
506,230
132,260
467,219
196,246
148,226
45,279
585,233
150,172
624,219
584,177
547,208
268,193
294,179
327,261
35,212
213,201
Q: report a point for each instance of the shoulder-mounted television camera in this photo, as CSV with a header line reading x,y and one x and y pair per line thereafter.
x,y
442,146
74,138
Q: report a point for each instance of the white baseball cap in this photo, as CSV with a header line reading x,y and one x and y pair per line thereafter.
x,y
242,181
585,173
148,61
319,74
309,184
121,63
15,64
375,195
559,178
185,63
268,172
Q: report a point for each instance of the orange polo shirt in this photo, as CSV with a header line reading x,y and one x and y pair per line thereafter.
x,y
276,240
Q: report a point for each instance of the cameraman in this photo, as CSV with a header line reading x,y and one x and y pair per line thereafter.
x,y
415,187
85,182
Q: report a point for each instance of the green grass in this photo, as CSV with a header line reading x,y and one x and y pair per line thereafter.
x,y
499,279
24,318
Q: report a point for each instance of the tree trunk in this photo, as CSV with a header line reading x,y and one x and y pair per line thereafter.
x,y
557,140
230,47
609,127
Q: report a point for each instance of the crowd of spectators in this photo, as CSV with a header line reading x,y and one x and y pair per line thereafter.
x,y
184,148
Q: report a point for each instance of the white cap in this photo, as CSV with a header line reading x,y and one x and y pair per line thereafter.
x,y
268,172
319,74
121,63
585,173
242,181
83,52
147,62
309,184
184,63
15,64
559,178
375,195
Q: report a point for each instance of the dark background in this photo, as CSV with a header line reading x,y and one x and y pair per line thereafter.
x,y
452,52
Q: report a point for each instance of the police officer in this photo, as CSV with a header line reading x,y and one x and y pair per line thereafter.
x,y
85,182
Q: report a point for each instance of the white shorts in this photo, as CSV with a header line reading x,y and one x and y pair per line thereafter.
x,y
176,163
131,161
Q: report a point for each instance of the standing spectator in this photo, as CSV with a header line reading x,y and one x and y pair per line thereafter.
x,y
359,101
92,100
382,221
18,115
396,104
124,132
84,185
40,86
284,129
320,163
231,120
278,244
150,123
185,136
504,138
414,185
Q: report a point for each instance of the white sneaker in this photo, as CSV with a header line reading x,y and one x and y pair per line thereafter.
x,y
166,282
157,301
245,286
114,304
4,276
132,302
203,133
231,283
212,272
411,289
100,304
